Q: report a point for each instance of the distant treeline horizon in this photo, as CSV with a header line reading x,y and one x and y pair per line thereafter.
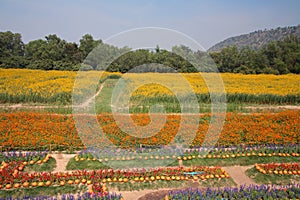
x,y
54,53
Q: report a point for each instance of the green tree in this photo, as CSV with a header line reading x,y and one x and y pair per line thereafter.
x,y
11,50
228,59
87,44
72,53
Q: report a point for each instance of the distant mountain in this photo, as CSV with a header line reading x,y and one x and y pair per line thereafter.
x,y
257,39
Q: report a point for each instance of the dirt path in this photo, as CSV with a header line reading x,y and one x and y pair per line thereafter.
x,y
61,161
87,102
289,107
237,173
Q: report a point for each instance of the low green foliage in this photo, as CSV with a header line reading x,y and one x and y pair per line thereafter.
x,y
48,166
222,182
155,185
84,165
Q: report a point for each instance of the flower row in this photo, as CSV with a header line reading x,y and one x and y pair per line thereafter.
x,y
10,177
242,192
26,161
279,168
235,155
39,130
185,158
24,156
162,153
13,171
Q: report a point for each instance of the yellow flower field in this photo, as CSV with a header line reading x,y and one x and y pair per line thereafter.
x,y
27,82
23,85
234,83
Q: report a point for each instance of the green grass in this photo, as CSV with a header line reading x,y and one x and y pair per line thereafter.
x,y
137,163
158,184
103,100
131,186
83,165
243,161
277,179
48,166
223,182
43,191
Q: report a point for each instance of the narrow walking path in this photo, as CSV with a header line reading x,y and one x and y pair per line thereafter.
x,y
237,173
61,161
91,99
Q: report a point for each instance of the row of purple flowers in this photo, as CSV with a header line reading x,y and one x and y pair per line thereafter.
x,y
242,192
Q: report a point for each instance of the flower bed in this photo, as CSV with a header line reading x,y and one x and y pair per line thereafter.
x,y
11,177
242,192
59,132
32,157
30,161
279,168
289,150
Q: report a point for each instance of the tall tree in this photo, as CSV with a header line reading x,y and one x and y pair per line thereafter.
x,y
11,50
87,44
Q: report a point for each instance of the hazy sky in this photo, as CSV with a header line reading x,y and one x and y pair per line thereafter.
x,y
208,22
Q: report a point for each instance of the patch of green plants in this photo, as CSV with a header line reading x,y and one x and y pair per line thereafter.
x,y
158,184
48,166
86,164
222,182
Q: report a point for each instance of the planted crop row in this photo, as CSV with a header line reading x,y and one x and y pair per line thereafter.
x,y
174,153
279,168
35,130
12,176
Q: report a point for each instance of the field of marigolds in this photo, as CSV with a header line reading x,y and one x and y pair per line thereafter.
x,y
63,135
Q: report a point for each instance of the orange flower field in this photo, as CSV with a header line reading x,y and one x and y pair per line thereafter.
x,y
20,130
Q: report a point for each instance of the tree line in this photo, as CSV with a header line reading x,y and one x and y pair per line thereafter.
x,y
277,57
54,53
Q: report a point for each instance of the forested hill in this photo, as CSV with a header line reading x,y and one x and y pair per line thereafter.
x,y
257,39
